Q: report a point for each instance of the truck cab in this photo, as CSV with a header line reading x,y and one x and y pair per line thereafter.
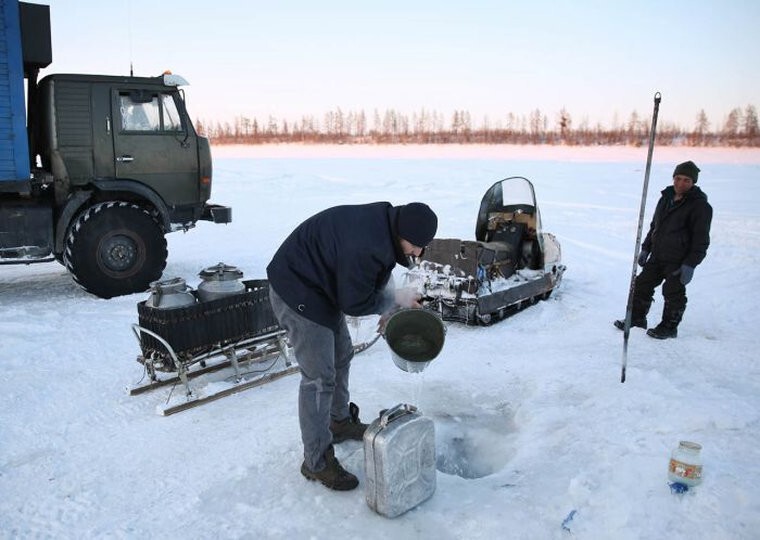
x,y
124,133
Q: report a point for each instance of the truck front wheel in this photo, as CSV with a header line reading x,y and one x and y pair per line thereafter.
x,y
115,248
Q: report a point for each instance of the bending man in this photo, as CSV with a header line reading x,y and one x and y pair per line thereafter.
x,y
336,263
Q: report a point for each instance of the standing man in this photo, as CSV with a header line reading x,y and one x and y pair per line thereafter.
x,y
336,263
676,243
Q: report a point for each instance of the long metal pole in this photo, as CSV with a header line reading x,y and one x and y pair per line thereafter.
x,y
629,307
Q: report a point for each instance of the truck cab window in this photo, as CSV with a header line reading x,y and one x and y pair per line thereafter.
x,y
139,115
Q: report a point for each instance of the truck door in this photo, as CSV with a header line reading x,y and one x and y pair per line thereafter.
x,y
155,144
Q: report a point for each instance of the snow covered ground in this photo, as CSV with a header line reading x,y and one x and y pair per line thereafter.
x,y
548,428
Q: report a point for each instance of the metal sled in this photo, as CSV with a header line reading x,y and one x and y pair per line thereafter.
x,y
237,333
217,348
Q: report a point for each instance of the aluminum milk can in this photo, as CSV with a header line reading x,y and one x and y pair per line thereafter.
x,y
170,293
219,281
686,464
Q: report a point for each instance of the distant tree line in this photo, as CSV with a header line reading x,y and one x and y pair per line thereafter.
x,y
740,129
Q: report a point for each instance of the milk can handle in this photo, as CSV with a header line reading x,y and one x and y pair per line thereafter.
x,y
395,412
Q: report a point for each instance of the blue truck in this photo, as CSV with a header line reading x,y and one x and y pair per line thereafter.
x,y
95,170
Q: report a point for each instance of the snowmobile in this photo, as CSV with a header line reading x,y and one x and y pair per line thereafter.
x,y
510,265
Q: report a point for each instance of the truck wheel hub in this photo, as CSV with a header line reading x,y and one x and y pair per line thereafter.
x,y
118,253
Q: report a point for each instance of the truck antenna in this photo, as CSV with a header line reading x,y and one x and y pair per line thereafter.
x,y
129,35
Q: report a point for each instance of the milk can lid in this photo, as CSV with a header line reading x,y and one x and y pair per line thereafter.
x,y
221,272
171,284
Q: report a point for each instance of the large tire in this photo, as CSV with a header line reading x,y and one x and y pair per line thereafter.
x,y
115,248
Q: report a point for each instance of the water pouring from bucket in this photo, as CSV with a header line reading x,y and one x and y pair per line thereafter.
x,y
415,337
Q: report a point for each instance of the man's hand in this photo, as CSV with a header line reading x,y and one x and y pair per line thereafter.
x,y
408,298
643,256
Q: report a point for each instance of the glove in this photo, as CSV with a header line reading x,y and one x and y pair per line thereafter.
x,y
643,256
687,272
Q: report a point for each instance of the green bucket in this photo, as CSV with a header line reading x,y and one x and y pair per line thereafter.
x,y
415,337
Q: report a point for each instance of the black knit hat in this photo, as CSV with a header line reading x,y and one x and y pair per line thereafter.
x,y
687,168
417,223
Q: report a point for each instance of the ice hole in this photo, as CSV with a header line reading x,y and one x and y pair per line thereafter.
x,y
472,446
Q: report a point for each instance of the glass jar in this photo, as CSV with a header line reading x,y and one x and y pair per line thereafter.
x,y
686,464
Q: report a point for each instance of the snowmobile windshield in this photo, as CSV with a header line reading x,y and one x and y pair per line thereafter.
x,y
516,191
506,200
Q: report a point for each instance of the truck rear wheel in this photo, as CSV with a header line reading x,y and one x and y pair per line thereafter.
x,y
115,248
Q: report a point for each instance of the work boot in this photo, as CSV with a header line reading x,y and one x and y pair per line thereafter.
x,y
672,312
663,331
640,323
349,428
333,476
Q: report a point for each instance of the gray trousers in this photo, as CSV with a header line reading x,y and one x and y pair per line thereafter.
x,y
324,357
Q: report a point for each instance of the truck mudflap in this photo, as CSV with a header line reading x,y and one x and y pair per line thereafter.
x,y
217,213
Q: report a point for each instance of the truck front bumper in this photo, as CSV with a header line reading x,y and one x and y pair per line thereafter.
x,y
217,213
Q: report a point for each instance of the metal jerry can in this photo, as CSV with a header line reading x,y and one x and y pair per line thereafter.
x,y
399,460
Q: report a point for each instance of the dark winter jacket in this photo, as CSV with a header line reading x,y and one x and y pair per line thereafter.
x,y
680,231
339,261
